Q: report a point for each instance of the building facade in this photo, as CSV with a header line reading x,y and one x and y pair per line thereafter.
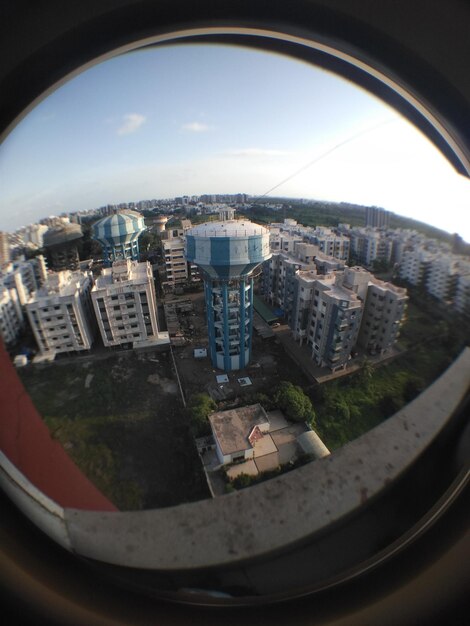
x,y
4,249
125,306
60,313
335,319
11,316
377,217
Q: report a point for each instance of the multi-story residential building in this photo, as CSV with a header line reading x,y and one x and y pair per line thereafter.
x,y
384,309
415,264
25,276
11,316
441,279
330,243
177,269
60,313
335,318
336,311
369,245
125,306
377,217
279,280
4,249
34,234
311,254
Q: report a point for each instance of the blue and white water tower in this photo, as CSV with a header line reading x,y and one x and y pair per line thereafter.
x,y
228,252
119,235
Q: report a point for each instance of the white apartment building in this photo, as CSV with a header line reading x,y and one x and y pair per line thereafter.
x,y
415,264
331,244
441,279
25,276
369,245
125,306
34,234
11,316
60,313
176,267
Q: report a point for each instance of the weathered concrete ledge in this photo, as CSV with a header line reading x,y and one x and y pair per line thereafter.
x,y
281,511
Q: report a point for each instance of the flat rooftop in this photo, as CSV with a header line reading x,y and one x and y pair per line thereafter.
x,y
228,228
233,427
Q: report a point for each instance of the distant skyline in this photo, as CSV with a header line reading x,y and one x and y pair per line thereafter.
x,y
194,119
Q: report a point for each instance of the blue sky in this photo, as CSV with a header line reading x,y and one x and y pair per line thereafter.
x,y
217,119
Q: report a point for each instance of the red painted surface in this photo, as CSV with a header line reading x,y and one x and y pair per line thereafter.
x,y
25,440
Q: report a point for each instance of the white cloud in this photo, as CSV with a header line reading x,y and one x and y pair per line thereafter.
x,y
196,127
130,123
255,152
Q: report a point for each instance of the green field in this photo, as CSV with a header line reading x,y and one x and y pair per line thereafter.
x,y
126,430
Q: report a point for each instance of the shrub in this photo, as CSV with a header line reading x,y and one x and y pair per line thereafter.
x,y
294,403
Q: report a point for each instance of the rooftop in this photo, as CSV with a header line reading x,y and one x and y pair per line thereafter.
x,y
228,228
232,428
122,272
63,283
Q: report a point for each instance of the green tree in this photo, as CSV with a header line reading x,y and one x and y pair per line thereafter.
x,y
199,409
242,481
296,405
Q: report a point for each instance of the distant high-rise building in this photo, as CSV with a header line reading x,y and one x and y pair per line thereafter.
x,y
228,252
4,249
377,217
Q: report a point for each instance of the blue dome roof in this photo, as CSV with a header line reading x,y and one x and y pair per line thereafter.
x,y
117,229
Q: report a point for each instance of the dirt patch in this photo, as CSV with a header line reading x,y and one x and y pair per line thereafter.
x,y
129,416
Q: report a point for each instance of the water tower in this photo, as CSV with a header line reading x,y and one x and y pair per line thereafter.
x,y
61,246
119,236
228,252
159,223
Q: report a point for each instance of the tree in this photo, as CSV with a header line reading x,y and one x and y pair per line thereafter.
x,y
242,481
366,372
199,409
295,404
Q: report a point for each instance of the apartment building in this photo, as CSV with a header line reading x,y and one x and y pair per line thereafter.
x,y
60,313
415,265
125,306
377,217
4,249
369,245
25,277
11,316
441,278
279,282
335,318
177,269
330,244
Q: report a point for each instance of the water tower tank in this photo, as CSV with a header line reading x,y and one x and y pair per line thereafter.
x,y
228,252
119,235
61,245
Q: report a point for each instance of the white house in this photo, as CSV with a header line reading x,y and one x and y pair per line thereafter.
x,y
238,431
